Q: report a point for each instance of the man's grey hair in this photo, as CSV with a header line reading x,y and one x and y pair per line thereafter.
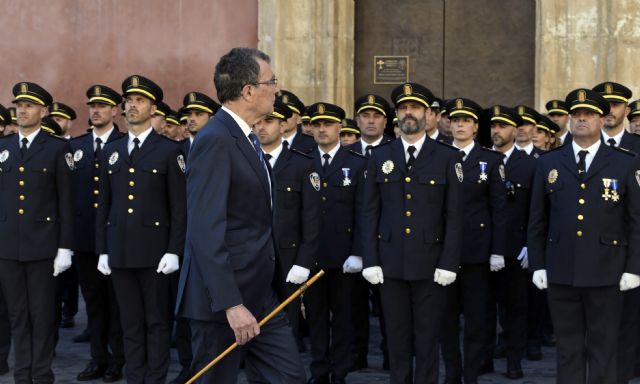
x,y
236,69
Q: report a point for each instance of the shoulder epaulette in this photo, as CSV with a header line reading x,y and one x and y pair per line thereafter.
x,y
83,135
382,144
625,151
297,152
446,145
7,136
491,150
357,153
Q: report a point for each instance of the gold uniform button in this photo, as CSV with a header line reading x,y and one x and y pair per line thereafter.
x,y
386,180
130,210
580,217
324,198
408,196
44,170
48,219
95,205
155,171
95,192
131,183
96,178
408,213
131,170
379,236
110,172
581,201
130,197
21,169
432,182
324,185
583,186
407,179
349,230
97,165
288,189
481,225
407,231
615,242
21,183
157,223
22,197
21,211
579,233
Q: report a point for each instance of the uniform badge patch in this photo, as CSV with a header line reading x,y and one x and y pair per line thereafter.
x,y
553,176
459,172
346,181
113,158
181,163
68,157
387,167
314,178
502,173
4,155
77,155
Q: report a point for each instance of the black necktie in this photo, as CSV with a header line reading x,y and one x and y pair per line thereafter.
x,y
23,148
285,144
367,150
463,154
582,164
325,165
412,158
268,157
98,150
136,148
611,142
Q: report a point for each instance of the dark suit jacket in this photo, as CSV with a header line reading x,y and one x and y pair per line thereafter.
x,y
341,205
413,219
230,251
85,181
39,185
484,207
536,152
303,142
631,142
445,139
297,211
141,212
519,170
578,236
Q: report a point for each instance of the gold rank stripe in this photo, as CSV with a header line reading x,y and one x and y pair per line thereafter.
x,y
99,98
616,97
560,111
58,113
327,117
462,112
139,90
500,118
200,107
277,115
543,127
47,129
350,130
172,121
372,107
419,100
587,106
294,109
29,97
529,119
159,112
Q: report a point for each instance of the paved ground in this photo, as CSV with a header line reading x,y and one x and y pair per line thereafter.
x,y
71,359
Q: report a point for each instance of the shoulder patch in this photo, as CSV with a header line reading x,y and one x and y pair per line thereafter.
x,y
297,152
624,150
357,153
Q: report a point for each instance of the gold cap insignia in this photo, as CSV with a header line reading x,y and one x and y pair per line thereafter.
x,y
638,104
582,95
520,110
321,108
459,104
55,106
608,88
97,90
192,97
12,112
496,110
24,88
408,89
371,99
135,81
285,99
554,104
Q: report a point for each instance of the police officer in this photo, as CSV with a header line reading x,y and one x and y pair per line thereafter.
x,y
559,114
293,136
107,354
371,116
483,246
583,240
413,235
36,229
613,131
159,118
328,303
433,122
524,139
634,117
544,137
349,133
198,108
140,230
5,325
12,126
173,129
297,207
514,279
305,120
64,116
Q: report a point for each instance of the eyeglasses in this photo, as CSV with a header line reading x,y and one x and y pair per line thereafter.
x,y
273,82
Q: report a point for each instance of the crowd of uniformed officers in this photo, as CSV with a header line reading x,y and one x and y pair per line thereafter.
x,y
526,225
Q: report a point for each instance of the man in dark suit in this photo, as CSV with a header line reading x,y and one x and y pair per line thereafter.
x,y
36,227
107,351
140,229
583,241
513,281
328,307
293,136
297,210
227,278
413,235
559,114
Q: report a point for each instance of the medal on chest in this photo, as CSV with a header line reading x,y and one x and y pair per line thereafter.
x,y
346,180
610,190
483,171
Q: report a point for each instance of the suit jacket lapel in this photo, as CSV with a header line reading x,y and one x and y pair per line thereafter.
x,y
147,146
282,161
35,147
569,161
337,162
599,161
399,156
423,155
472,158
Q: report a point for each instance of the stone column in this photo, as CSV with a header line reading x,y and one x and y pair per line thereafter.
x,y
580,43
311,45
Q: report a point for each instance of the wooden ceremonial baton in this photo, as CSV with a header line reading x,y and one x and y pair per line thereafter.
x,y
262,322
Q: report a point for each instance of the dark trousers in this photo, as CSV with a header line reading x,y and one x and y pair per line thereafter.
x,y
68,293
328,304
182,329
467,296
586,320
271,357
103,315
360,317
31,302
413,311
628,341
496,313
538,320
516,286
5,329
143,299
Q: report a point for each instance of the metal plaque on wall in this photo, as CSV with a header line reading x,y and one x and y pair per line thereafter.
x,y
390,69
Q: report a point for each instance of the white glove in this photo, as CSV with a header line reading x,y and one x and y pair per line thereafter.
x,y
629,281
496,263
168,264
373,275
103,265
62,262
524,258
353,264
540,278
297,275
444,277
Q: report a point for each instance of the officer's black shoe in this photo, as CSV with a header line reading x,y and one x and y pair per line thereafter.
x,y
4,367
67,322
534,353
83,337
94,370
183,377
514,374
499,352
319,380
113,373
485,367
359,362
